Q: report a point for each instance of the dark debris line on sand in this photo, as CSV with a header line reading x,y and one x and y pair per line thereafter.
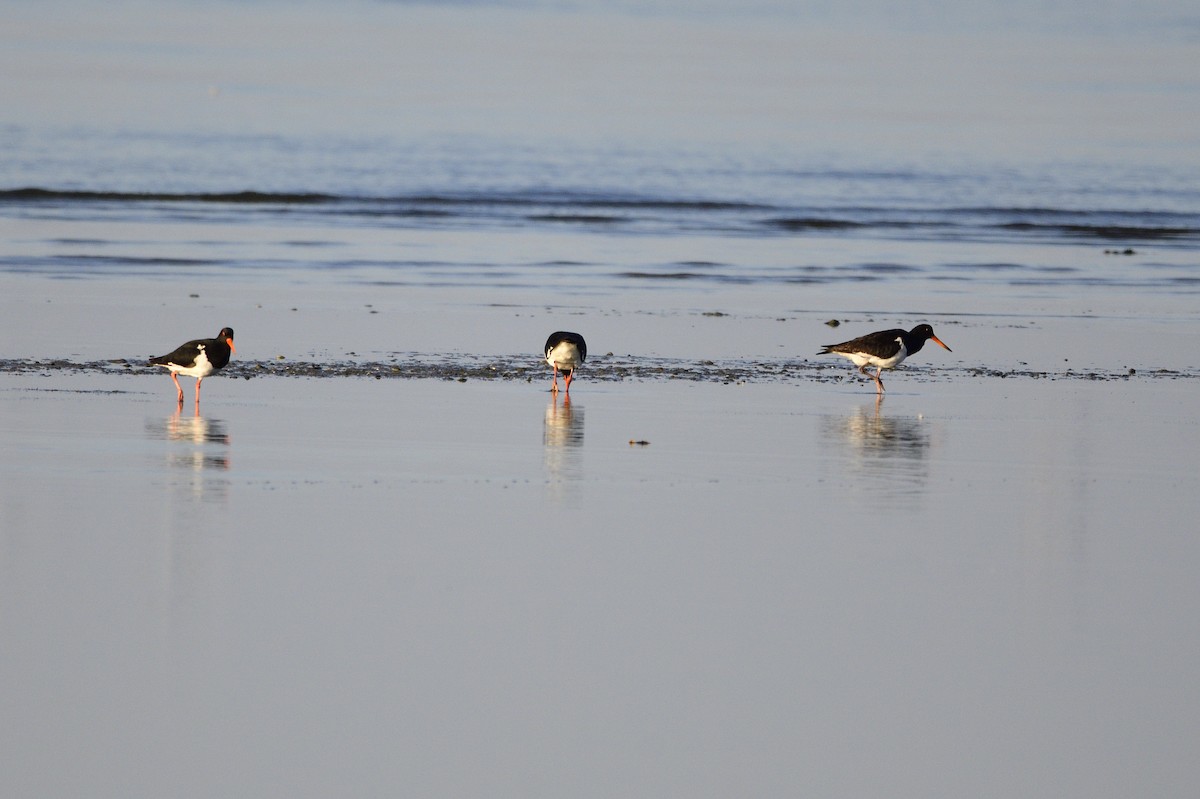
x,y
600,368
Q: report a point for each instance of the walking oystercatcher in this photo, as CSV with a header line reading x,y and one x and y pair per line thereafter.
x,y
885,349
565,351
198,359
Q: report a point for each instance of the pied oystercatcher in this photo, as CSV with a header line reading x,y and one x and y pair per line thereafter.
x,y
885,349
198,359
565,351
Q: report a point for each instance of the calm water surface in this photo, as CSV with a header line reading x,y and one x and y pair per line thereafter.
x,y
300,127
351,585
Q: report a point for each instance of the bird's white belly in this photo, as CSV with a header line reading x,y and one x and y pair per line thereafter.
x,y
863,359
564,355
200,369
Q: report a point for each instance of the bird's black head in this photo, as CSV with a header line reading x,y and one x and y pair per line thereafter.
x,y
923,333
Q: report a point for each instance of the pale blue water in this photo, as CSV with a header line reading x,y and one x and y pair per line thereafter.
x,y
1021,127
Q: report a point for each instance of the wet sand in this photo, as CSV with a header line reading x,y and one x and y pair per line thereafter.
x,y
447,582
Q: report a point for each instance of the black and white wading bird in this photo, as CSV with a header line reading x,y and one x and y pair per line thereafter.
x,y
198,359
564,352
885,349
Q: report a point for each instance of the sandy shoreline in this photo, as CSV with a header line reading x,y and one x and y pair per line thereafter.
x,y
330,582
357,331
603,368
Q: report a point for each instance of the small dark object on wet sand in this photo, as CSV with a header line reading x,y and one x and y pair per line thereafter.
x,y
641,443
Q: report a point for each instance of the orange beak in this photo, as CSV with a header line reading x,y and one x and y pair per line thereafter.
x,y
931,338
232,348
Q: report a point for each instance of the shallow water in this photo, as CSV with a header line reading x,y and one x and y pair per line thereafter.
x,y
352,585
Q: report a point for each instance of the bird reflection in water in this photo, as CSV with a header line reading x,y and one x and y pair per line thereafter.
x,y
199,446
885,454
562,441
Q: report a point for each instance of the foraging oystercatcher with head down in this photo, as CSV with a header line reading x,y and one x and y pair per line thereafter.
x,y
564,352
885,349
198,359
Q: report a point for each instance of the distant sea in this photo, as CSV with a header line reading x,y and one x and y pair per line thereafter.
x,y
1010,131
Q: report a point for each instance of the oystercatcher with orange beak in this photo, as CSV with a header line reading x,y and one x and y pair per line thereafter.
x,y
198,359
885,349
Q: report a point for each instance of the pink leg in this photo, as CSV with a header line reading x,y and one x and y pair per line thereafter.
x,y
176,379
878,381
554,386
567,379
198,382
